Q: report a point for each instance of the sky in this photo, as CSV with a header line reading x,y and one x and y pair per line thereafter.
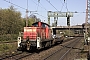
x,y
43,6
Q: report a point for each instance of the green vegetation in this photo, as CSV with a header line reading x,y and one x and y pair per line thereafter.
x,y
7,48
11,23
67,33
8,37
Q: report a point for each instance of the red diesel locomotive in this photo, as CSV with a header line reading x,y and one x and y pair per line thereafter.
x,y
37,36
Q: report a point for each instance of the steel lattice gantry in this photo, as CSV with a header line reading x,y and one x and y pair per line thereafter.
x,y
57,14
88,8
89,16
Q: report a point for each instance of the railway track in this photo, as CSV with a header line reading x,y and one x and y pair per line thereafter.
x,y
21,55
5,56
75,52
71,47
63,52
16,56
43,54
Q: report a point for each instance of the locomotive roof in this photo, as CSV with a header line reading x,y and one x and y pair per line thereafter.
x,y
42,23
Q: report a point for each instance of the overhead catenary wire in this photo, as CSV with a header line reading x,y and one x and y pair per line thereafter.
x,y
65,2
43,7
35,11
15,4
37,4
41,15
62,5
40,5
22,7
66,6
52,5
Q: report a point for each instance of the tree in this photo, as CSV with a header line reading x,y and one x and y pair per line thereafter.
x,y
10,21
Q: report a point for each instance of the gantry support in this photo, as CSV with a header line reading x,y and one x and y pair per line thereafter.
x,y
58,14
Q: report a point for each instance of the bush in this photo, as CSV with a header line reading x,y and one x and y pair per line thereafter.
x,y
6,48
8,37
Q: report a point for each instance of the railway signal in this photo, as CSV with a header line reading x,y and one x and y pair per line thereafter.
x,y
68,21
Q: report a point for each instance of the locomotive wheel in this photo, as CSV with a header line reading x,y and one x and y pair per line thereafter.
x,y
50,43
19,49
53,42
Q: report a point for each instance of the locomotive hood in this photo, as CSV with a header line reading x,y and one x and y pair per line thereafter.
x,y
30,32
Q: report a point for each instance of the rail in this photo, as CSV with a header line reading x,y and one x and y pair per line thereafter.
x,y
16,56
48,57
68,50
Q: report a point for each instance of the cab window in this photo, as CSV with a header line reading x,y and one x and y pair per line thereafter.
x,y
43,25
35,25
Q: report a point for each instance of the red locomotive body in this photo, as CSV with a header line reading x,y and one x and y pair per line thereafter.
x,y
37,36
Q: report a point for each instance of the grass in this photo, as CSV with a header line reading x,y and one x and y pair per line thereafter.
x,y
7,47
